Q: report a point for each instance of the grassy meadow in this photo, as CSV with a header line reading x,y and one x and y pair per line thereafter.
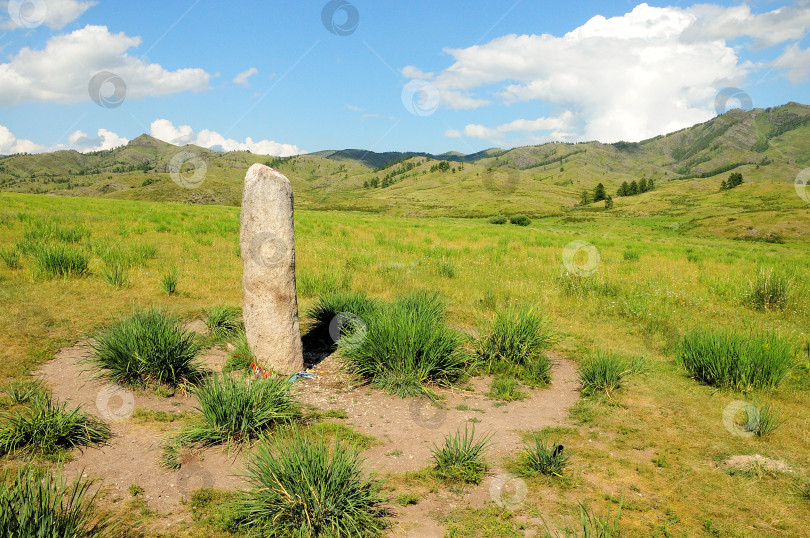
x,y
656,444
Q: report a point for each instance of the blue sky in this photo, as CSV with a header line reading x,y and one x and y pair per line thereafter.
x,y
273,77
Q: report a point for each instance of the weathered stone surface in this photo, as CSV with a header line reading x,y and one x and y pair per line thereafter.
x,y
269,301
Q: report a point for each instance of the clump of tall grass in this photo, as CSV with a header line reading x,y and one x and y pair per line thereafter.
x,y
241,356
446,268
603,373
299,487
540,457
61,260
36,503
497,219
408,345
324,313
11,256
23,392
239,409
49,230
769,291
115,275
148,348
47,427
514,344
223,321
169,280
766,421
728,359
461,457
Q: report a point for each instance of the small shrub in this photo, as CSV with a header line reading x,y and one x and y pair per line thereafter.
x,y
299,487
60,260
35,503
11,257
148,348
498,219
514,344
730,360
603,373
446,268
520,220
239,409
539,457
768,292
47,427
223,321
407,345
169,281
461,458
505,388
631,255
115,275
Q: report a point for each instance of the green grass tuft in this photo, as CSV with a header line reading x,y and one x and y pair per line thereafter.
x,y
514,345
323,314
47,427
168,282
23,392
497,219
223,321
408,345
505,388
769,291
603,373
35,503
115,275
148,348
10,255
239,409
461,458
60,260
241,357
299,487
539,457
727,359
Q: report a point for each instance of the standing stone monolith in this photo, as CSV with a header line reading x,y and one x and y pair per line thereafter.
x,y
267,240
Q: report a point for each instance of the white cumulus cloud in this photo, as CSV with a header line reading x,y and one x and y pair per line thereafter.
x,y
10,144
104,139
651,71
165,130
242,78
62,71
55,14
796,62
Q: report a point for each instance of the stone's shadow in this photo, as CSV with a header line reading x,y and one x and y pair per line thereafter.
x,y
318,345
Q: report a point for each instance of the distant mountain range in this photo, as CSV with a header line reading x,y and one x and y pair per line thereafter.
x,y
768,147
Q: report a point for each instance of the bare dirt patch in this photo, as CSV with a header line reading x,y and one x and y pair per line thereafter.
x,y
405,430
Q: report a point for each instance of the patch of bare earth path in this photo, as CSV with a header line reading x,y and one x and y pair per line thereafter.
x,y
405,430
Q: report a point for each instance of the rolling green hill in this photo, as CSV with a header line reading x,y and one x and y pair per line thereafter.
x,y
769,147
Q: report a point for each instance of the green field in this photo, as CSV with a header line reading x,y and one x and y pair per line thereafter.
x,y
682,258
